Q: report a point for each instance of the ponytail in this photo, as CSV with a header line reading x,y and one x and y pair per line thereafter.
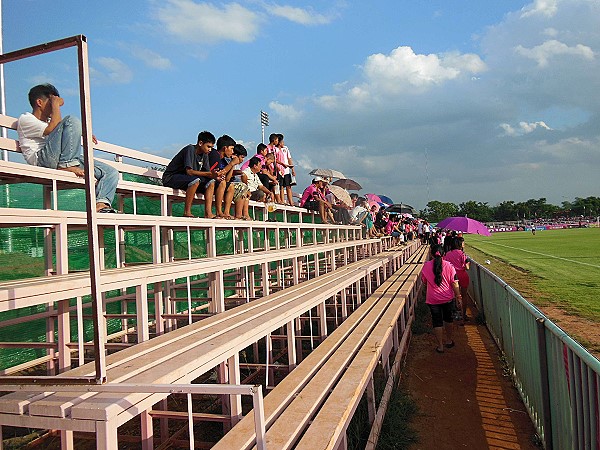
x,y
436,254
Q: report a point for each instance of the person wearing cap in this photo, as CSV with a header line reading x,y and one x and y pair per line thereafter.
x,y
48,140
313,199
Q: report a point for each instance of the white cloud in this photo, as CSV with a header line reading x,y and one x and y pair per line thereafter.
x,y
403,71
549,49
523,128
299,15
288,112
547,8
151,58
208,23
114,71
574,149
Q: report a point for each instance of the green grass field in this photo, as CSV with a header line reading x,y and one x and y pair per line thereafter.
x,y
557,266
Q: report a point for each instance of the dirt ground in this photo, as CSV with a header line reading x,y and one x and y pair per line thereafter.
x,y
464,399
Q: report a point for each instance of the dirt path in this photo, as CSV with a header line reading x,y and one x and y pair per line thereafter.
x,y
463,397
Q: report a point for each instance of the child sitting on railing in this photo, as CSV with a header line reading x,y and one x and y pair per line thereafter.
x,y
190,170
48,140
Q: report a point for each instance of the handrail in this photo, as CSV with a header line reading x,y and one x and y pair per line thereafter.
x,y
557,378
255,391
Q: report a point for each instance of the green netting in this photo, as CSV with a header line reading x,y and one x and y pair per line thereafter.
x,y
22,256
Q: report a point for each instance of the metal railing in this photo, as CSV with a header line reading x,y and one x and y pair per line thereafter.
x,y
208,389
556,377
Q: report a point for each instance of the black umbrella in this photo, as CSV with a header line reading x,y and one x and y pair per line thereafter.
x,y
347,184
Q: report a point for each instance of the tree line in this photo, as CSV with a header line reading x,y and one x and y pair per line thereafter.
x,y
510,210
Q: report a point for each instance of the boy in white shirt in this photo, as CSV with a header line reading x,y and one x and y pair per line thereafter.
x,y
48,140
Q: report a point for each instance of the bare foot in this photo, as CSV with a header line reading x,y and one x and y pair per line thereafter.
x,y
75,169
189,215
247,218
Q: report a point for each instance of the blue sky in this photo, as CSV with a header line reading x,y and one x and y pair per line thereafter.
x,y
437,100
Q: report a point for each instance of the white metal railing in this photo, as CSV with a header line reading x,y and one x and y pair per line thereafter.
x,y
255,391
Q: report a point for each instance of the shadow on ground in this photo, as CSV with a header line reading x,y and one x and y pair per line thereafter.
x,y
464,398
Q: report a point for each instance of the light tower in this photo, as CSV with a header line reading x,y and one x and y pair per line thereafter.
x,y
264,122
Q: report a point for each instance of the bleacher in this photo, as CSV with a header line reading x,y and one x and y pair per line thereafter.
x,y
289,296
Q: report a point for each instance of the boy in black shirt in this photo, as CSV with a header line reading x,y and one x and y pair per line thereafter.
x,y
190,170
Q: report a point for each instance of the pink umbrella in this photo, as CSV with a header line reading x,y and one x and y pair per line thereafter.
x,y
373,198
465,225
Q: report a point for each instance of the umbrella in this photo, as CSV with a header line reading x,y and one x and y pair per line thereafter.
x,y
347,184
386,199
329,173
465,225
373,198
341,194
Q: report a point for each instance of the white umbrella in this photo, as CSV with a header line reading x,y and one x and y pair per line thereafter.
x,y
329,173
341,194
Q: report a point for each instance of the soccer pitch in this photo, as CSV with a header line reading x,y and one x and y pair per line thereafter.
x,y
562,264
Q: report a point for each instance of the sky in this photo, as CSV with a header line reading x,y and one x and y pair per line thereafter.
x,y
417,100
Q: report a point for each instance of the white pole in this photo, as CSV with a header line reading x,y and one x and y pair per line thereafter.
x,y
2,88
3,111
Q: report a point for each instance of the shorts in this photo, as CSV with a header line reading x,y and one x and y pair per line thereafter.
x,y
265,180
183,181
240,190
257,196
313,205
441,313
395,234
463,278
285,180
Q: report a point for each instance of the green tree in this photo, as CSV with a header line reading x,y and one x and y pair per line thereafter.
x,y
505,211
436,211
476,210
589,206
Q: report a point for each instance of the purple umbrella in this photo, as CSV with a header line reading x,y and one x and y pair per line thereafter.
x,y
465,225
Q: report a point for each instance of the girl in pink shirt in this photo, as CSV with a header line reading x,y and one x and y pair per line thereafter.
x,y
442,288
456,256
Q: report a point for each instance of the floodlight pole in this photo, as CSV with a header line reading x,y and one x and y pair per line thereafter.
x,y
4,132
264,122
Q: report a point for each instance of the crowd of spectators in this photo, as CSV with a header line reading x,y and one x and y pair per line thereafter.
x,y
224,173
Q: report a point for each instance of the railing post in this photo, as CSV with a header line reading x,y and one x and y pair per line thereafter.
x,y
545,383
479,288
259,417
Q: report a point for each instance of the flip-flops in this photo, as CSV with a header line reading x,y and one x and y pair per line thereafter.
x,y
438,350
107,209
449,345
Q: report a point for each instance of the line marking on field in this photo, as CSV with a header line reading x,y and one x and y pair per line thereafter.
x,y
544,254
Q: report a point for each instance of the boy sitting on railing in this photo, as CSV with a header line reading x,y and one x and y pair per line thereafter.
x,y
250,176
237,191
190,170
224,189
48,140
